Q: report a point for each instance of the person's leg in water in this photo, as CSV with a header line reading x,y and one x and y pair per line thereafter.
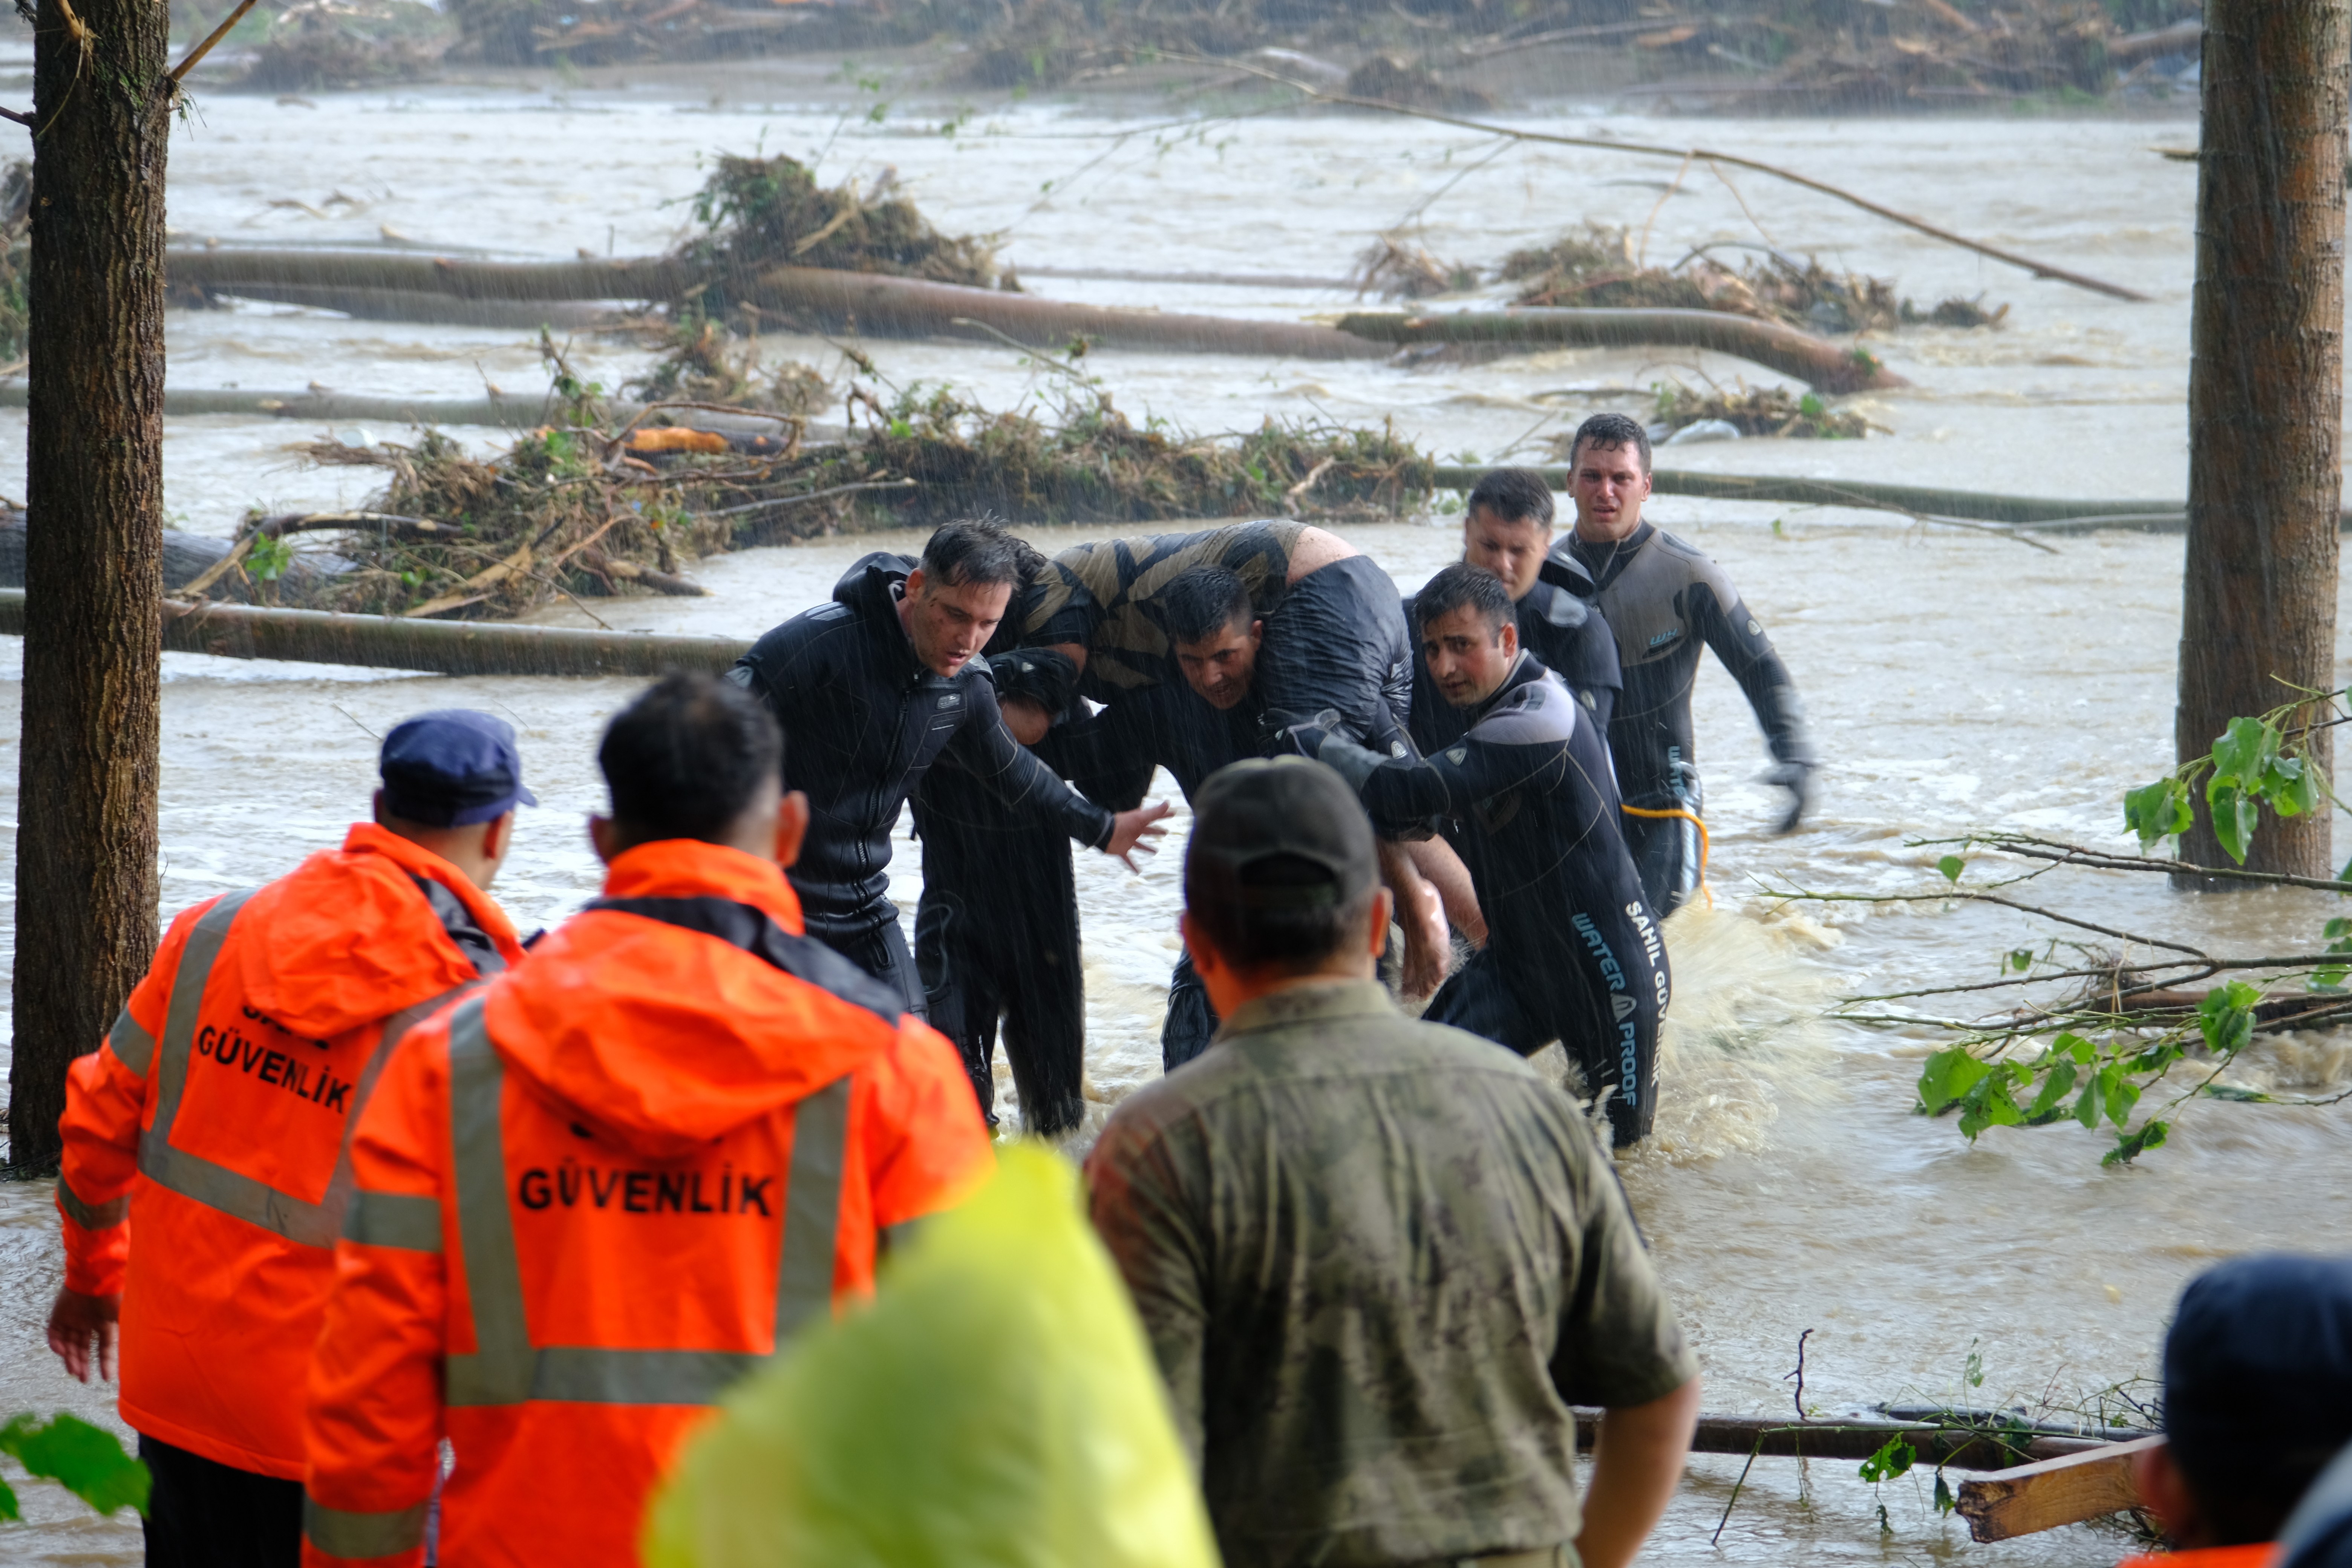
x,y
958,992
1192,1021
1044,999
878,946
1476,998
1666,849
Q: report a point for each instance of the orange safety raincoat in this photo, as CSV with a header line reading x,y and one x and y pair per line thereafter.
x,y
598,1193
215,1121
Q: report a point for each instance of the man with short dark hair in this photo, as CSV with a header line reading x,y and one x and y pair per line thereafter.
x,y
2257,1400
213,1128
1664,599
1507,528
1378,1259
1572,952
594,1197
873,687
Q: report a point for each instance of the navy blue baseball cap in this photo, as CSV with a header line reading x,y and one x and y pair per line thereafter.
x,y
2258,1377
452,767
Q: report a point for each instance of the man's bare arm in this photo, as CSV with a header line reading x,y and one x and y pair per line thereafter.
x,y
1636,1464
1428,955
1434,858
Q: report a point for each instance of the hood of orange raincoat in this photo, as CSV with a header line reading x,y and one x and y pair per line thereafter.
x,y
665,1038
348,938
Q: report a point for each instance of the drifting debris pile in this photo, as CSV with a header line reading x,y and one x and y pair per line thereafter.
x,y
760,213
348,43
1394,81
1599,266
586,509
1752,411
1396,269
706,363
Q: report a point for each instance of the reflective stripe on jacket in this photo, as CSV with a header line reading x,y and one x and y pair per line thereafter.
x,y
594,1196
218,1112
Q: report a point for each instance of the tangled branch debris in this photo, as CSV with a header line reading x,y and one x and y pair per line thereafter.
x,y
1601,266
348,43
762,213
583,509
1752,411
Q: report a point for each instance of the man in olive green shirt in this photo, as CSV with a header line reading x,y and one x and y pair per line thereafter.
x,y
1378,1259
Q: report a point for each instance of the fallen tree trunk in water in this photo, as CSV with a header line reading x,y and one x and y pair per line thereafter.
x,y
363,282
2042,515
1815,360
186,558
1963,1448
518,413
441,647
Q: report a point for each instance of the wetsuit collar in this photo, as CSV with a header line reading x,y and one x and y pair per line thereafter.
x,y
876,595
1527,670
1607,561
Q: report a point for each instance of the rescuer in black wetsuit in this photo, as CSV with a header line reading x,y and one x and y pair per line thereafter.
x,y
871,690
1664,599
1573,952
1217,714
996,933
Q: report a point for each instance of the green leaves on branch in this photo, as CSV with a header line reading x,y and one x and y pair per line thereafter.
x,y
2078,1078
1895,1457
88,1461
2248,768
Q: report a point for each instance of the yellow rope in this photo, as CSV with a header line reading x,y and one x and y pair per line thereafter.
x,y
1692,818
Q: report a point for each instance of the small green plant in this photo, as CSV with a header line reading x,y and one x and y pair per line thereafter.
x,y
88,1461
2254,764
269,558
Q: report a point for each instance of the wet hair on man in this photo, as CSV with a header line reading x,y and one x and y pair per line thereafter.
x,y
1281,875
1519,495
1610,431
688,757
2257,1398
1201,601
977,552
1462,586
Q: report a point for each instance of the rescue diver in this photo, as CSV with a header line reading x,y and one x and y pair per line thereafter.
x,y
996,931
213,1128
873,687
1662,599
1573,952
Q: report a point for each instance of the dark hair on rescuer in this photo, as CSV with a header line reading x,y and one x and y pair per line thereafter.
x,y
1201,601
1517,495
688,757
977,551
1610,431
1463,585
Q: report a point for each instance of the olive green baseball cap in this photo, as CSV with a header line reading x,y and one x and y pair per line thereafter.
x,y
1255,811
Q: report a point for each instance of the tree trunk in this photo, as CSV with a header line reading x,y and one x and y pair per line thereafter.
x,y
2265,392
85,881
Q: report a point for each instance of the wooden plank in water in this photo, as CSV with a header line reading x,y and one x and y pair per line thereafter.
x,y
2065,1490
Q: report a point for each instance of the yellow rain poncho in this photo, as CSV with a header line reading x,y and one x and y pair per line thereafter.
x,y
995,1408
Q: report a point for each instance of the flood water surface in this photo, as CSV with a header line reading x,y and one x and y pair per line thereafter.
x,y
1954,680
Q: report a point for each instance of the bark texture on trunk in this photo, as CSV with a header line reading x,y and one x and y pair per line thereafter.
x,y
85,881
2265,392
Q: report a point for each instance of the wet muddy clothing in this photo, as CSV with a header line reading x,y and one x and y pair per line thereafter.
x,y
1559,626
863,720
1333,639
996,933
1664,599
1572,952
1377,1260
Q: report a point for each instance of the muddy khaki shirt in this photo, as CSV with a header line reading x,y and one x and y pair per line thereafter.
x,y
1377,1260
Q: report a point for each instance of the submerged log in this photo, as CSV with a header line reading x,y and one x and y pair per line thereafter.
x,y
2042,514
2067,1490
518,413
186,558
391,642
1815,360
1957,1447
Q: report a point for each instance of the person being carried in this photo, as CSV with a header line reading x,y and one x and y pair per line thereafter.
x,y
873,687
1573,952
216,1124
1377,1259
2257,1400
1664,599
593,1197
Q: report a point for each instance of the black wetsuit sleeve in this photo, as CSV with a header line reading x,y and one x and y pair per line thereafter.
x,y
1402,794
1109,756
986,749
1738,640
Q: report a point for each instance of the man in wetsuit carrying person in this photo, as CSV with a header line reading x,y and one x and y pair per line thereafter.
x,y
1663,598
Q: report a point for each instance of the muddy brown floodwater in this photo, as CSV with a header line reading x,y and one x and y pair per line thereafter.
x,y
1954,680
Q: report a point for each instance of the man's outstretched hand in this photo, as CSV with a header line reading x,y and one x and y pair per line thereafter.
x,y
1132,832
78,1322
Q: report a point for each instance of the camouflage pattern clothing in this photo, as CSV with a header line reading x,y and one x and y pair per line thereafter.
x,y
1100,596
1377,1260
